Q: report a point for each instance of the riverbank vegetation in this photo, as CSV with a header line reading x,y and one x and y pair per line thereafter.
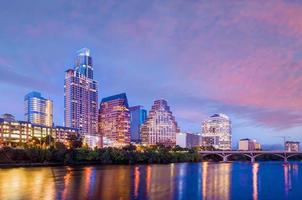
x,y
131,154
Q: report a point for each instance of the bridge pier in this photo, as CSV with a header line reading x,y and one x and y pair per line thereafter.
x,y
285,160
225,159
252,159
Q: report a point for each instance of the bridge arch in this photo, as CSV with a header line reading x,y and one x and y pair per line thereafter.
x,y
238,154
209,154
275,154
292,155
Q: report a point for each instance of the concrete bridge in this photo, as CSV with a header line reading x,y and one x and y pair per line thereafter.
x,y
285,155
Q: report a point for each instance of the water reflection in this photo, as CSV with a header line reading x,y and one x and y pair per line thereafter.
x,y
175,181
216,180
255,181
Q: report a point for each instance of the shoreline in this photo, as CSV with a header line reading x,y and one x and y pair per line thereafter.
x,y
28,165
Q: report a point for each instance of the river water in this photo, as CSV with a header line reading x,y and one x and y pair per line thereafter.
x,y
237,180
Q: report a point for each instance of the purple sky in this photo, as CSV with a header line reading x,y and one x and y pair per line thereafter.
x,y
242,58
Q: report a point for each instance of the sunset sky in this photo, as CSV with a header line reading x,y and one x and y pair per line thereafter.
x,y
241,58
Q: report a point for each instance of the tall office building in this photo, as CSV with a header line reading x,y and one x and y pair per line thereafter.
x,y
38,110
81,95
160,126
138,116
114,120
217,132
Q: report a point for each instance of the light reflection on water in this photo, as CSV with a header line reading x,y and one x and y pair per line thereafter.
x,y
265,180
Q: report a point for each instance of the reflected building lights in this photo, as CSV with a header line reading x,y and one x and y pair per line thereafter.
x,y
148,179
216,185
287,177
136,181
67,180
204,179
255,180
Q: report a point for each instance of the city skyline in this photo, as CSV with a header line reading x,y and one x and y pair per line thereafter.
x,y
195,74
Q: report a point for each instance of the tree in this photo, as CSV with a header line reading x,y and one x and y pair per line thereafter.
x,y
48,140
74,141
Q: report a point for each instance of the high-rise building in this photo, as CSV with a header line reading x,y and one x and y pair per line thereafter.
x,y
160,126
114,120
248,145
38,110
292,146
217,132
138,116
81,95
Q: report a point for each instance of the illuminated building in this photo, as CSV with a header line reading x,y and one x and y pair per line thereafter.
x,y
81,95
217,132
160,126
292,146
38,110
138,116
14,133
114,120
188,140
248,145
93,140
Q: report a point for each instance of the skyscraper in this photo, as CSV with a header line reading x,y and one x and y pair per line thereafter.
x,y
38,110
114,120
81,95
217,132
160,126
138,117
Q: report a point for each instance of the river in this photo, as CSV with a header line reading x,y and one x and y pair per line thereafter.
x,y
214,181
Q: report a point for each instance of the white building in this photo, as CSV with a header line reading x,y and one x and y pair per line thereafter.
x,y
160,126
93,140
188,140
248,145
217,132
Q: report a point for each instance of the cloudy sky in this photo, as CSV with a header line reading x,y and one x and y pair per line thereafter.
x,y
241,58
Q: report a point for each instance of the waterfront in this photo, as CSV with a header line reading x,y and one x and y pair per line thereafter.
x,y
237,180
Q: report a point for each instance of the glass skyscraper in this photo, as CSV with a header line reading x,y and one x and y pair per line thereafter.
x,y
138,117
38,110
217,132
81,95
114,120
160,126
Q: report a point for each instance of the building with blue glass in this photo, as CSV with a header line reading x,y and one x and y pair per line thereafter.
x,y
38,110
138,116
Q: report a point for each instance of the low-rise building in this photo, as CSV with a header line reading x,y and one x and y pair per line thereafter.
x,y
292,146
15,133
188,140
248,145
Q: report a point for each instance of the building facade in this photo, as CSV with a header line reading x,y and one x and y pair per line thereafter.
x,y
188,140
160,126
15,133
114,120
248,145
38,110
292,146
217,132
81,95
138,116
